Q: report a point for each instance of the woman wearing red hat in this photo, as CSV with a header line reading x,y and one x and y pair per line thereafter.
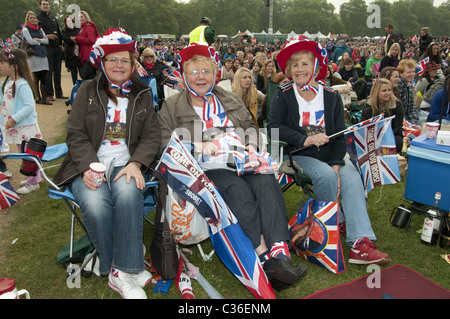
x,y
207,110
113,120
305,113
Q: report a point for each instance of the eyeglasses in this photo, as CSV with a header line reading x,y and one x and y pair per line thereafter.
x,y
117,60
197,72
148,56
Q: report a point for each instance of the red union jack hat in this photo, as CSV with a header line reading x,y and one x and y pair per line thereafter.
x,y
113,40
303,44
194,49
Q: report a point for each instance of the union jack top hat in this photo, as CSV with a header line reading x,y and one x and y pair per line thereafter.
x,y
194,49
113,40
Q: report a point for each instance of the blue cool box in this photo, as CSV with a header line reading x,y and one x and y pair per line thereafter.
x,y
428,172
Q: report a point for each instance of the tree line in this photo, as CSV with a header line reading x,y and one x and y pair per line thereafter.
x,y
355,18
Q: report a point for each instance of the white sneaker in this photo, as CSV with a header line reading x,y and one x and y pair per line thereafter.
x,y
143,278
125,284
27,189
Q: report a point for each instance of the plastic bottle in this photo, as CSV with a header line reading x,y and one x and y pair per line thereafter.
x,y
432,223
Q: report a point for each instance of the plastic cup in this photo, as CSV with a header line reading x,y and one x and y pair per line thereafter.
x,y
432,129
97,173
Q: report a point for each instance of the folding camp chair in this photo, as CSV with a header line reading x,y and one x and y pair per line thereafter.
x,y
55,152
151,83
289,168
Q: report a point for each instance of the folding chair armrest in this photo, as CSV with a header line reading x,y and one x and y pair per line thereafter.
x,y
152,184
63,193
23,156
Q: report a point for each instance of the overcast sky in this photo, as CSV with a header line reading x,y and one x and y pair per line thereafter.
x,y
337,3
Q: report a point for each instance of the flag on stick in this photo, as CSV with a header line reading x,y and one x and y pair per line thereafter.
x,y
371,148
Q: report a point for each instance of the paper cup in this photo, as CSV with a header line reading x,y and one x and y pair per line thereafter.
x,y
432,129
97,173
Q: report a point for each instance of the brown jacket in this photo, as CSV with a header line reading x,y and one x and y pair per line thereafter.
x,y
177,113
86,128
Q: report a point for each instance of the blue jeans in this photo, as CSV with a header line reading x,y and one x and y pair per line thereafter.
x,y
114,222
352,196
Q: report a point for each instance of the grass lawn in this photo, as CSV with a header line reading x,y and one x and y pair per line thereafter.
x,y
41,227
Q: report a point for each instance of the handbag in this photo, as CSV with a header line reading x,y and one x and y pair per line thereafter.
x,y
186,224
28,48
315,234
163,248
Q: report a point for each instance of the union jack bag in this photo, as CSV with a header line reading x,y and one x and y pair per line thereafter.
x,y
315,234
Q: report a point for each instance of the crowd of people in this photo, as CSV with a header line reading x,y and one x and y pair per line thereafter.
x,y
315,82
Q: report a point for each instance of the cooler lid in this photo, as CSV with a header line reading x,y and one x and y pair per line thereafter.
x,y
424,142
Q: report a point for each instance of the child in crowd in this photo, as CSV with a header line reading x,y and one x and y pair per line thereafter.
x,y
18,114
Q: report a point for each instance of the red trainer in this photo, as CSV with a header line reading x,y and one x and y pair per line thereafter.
x,y
364,252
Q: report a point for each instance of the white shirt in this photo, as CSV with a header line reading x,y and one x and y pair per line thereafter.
x,y
312,116
114,144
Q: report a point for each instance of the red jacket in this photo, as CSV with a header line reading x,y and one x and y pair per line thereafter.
x,y
86,39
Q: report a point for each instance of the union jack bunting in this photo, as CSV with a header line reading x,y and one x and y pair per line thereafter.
x,y
8,196
372,150
183,174
315,234
420,66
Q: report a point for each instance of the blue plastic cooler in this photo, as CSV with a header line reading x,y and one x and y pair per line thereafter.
x,y
428,172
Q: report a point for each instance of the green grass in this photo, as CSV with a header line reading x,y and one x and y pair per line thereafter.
x,y
42,226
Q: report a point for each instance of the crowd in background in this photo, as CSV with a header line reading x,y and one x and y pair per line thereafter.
x,y
353,63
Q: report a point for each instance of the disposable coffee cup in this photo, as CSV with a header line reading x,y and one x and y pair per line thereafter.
x,y
432,130
97,173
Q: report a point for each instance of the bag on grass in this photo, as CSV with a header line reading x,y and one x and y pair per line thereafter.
x,y
186,224
81,248
163,248
315,234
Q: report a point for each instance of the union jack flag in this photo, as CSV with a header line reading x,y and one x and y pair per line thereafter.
x,y
420,66
183,174
372,150
413,38
315,234
8,196
284,179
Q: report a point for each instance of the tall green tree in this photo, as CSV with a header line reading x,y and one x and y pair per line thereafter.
x,y
354,15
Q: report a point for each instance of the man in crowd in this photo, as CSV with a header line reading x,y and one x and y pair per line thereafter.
x,y
51,28
203,33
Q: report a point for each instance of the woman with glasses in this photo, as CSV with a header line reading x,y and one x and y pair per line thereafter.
x,y
113,121
219,119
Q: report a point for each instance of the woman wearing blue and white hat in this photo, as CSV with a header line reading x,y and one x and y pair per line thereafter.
x,y
113,117
305,113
